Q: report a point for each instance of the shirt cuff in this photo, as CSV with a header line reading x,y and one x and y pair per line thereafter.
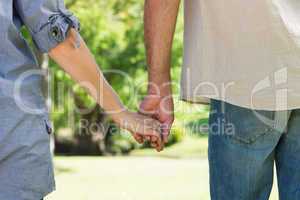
x,y
55,30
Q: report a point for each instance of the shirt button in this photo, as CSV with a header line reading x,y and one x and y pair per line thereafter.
x,y
54,32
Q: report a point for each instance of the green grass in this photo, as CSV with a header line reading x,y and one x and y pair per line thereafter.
x,y
190,147
131,178
194,144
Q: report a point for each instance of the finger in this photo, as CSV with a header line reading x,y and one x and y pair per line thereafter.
x,y
153,139
148,138
156,145
166,138
159,143
153,145
158,149
165,133
160,146
138,138
156,140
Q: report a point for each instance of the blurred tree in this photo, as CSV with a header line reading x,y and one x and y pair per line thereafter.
x,y
113,30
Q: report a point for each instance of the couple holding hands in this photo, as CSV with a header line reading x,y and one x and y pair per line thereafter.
x,y
236,54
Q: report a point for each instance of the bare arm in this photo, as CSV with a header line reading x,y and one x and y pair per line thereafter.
x,y
81,65
160,23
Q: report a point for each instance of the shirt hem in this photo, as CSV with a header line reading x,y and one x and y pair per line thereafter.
x,y
205,100
13,192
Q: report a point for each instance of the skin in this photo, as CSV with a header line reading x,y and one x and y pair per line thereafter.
x,y
80,64
159,25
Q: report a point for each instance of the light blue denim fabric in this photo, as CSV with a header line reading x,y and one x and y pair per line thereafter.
x,y
26,171
245,144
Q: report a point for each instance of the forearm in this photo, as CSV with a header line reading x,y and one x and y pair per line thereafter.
x,y
160,23
82,67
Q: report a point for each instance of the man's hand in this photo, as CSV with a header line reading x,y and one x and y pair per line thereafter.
x,y
160,107
159,26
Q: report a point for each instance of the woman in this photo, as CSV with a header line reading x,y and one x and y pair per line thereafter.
x,y
26,171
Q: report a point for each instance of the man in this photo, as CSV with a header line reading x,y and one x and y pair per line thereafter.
x,y
245,57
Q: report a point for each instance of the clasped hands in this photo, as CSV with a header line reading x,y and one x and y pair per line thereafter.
x,y
153,121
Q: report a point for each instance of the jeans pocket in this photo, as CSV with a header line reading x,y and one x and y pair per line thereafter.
x,y
248,125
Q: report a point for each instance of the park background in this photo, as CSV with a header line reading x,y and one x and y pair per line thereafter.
x,y
106,163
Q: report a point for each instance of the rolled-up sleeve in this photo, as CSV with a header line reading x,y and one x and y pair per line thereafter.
x,y
47,20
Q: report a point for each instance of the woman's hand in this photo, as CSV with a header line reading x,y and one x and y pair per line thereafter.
x,y
140,124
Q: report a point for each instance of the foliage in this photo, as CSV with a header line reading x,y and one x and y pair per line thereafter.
x,y
113,30
176,135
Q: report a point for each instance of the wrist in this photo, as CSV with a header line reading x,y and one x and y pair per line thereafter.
x,y
160,89
119,116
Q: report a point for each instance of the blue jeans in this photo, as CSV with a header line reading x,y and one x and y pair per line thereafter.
x,y
245,144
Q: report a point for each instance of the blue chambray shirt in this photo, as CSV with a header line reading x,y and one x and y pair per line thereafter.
x,y
26,171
